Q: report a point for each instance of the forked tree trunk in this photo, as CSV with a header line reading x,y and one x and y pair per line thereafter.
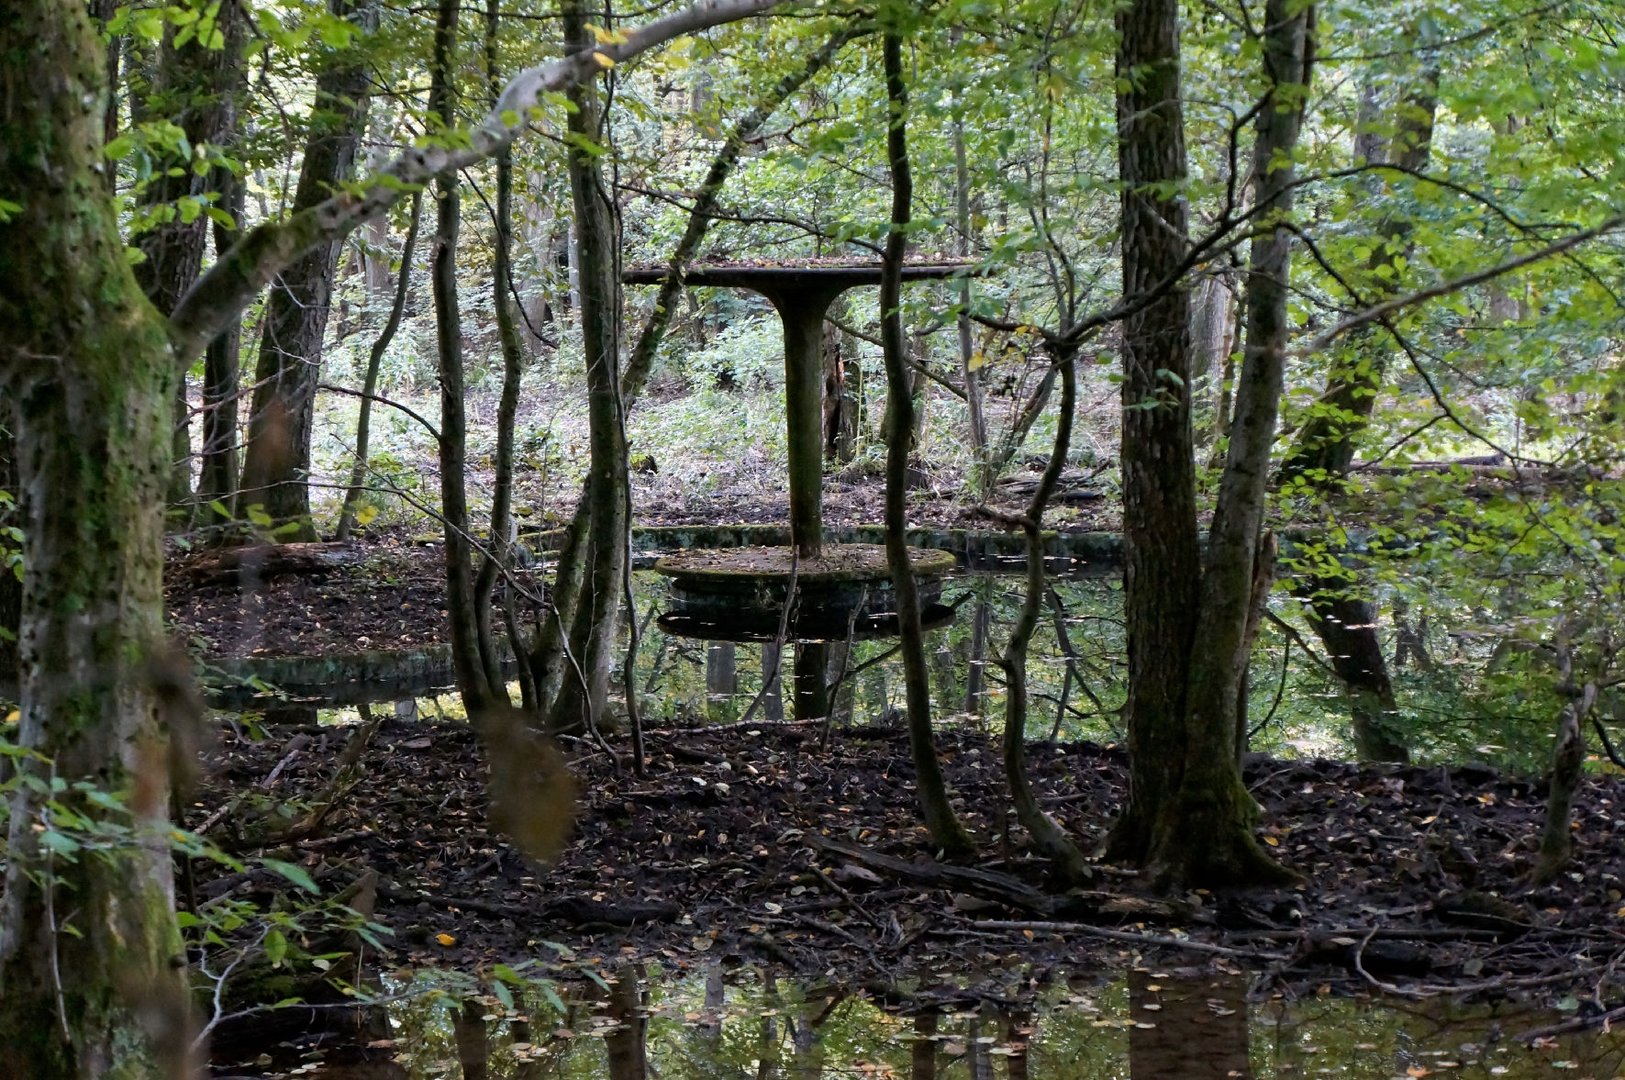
x,y
1196,826
1066,858
584,690
946,832
90,954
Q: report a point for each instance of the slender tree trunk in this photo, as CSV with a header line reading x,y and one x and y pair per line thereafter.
x,y
90,954
946,832
584,691
969,370
276,464
513,362
1568,763
1066,859
222,372
476,683
369,382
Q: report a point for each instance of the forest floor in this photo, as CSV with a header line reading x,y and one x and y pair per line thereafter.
x,y
760,845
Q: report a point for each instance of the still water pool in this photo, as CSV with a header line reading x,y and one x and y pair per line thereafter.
x,y
643,1023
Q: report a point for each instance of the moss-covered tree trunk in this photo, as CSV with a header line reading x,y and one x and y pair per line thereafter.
x,y
90,955
276,464
1212,790
930,786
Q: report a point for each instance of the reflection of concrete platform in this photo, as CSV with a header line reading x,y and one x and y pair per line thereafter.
x,y
745,589
874,625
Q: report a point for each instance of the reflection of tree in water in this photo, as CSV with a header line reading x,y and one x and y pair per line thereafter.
x,y
923,1051
1197,1029
1075,674
626,1043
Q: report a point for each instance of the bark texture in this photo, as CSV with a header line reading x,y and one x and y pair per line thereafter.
x,y
584,690
90,954
276,465
1189,817
196,84
1162,569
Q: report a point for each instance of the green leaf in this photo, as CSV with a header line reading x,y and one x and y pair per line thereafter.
x,y
295,874
276,947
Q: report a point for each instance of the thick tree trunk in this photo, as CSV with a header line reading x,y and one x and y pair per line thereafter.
x,y
1212,793
196,86
1197,830
90,955
1162,570
276,465
946,832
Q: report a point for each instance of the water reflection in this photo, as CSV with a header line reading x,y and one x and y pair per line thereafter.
x,y
640,1023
